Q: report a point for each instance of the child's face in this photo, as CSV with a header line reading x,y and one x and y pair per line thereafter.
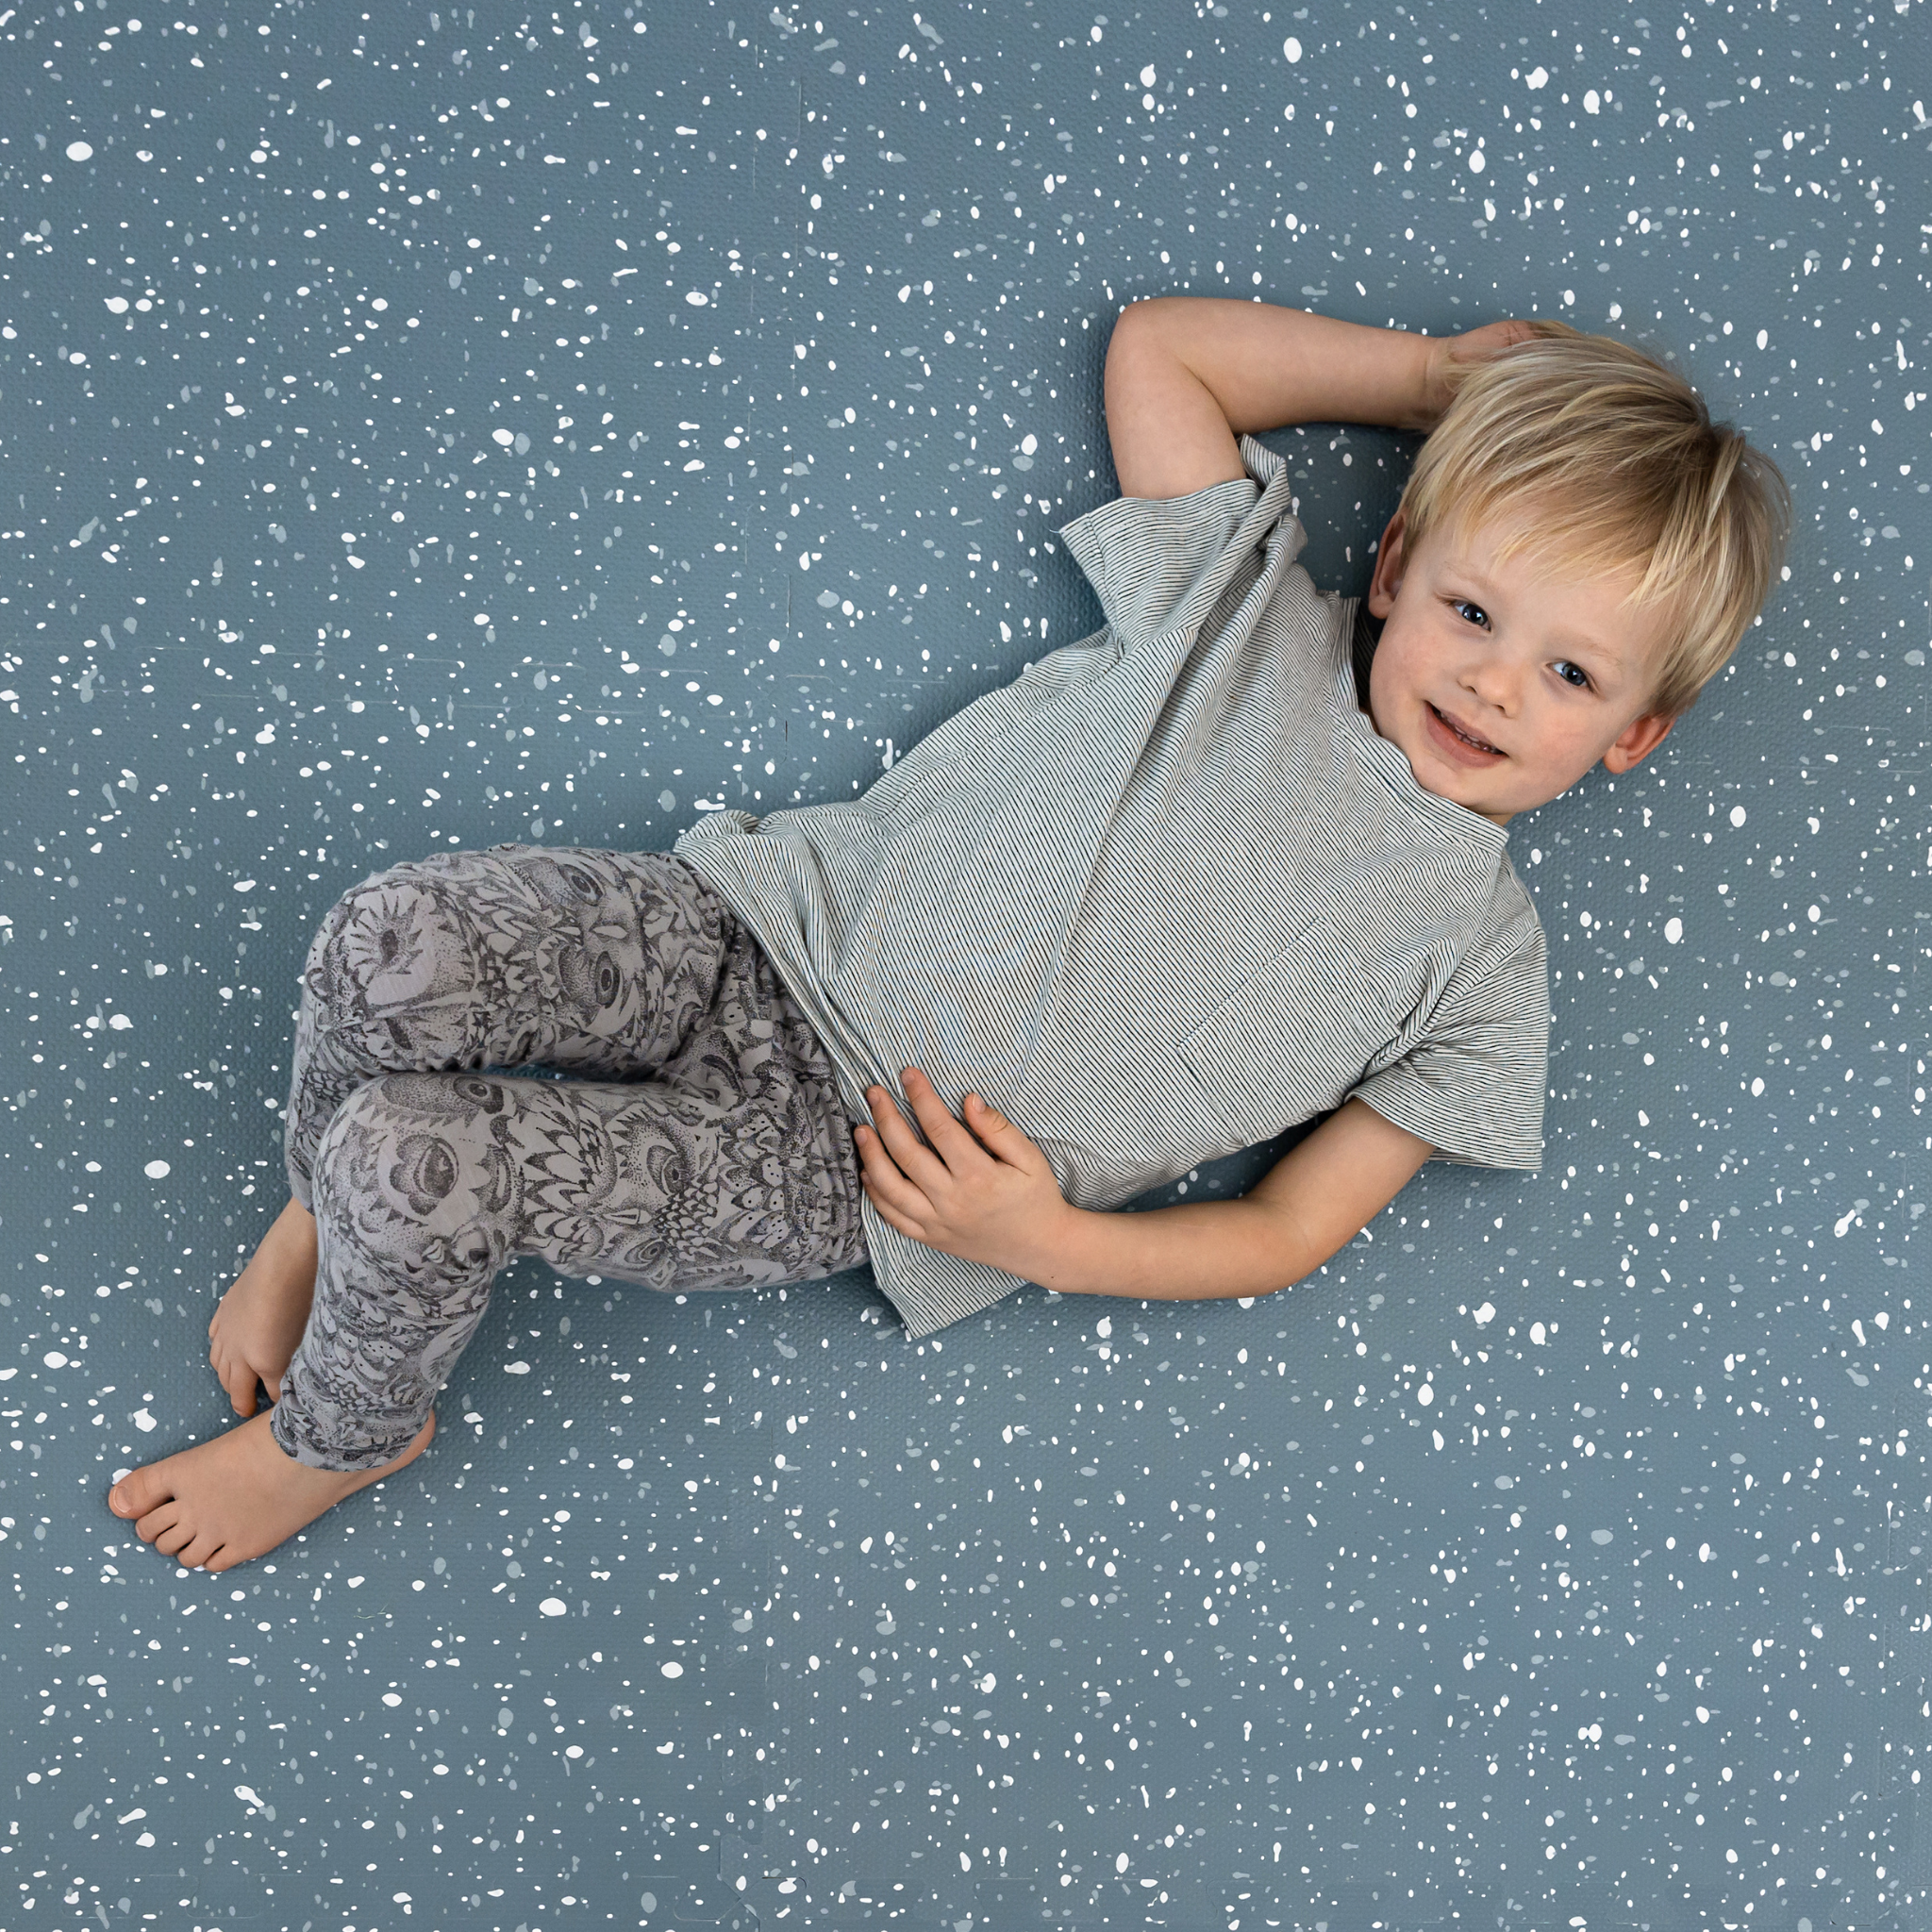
x,y
1550,676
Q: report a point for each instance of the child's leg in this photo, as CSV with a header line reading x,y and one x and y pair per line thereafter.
x,y
424,1185
427,1184
260,1319
733,1168
603,961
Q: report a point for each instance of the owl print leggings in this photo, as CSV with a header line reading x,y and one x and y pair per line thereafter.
x,y
704,1148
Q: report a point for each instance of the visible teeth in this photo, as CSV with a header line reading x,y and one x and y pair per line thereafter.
x,y
1479,744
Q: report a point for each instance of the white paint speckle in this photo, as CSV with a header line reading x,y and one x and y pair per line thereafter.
x,y
156,1170
79,151
1291,49
553,1607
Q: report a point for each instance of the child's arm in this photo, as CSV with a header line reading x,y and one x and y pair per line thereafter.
x,y
1185,374
988,1194
1311,1204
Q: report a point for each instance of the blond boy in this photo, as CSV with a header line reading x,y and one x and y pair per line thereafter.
x,y
1228,864
1576,552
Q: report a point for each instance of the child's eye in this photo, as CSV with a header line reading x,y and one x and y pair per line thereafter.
x,y
1573,675
1463,604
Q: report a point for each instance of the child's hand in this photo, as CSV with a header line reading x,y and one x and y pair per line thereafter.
x,y
987,1196
1477,345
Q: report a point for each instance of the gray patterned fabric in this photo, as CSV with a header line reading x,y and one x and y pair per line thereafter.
x,y
708,1151
1164,897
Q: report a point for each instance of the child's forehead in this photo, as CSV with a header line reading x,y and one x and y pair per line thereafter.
x,y
1516,547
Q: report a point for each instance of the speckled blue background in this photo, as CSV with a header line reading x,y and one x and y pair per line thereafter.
x,y
426,428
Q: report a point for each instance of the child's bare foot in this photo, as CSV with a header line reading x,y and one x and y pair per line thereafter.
x,y
258,1326
237,1496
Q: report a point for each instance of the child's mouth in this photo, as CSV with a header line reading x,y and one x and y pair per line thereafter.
x,y
1464,745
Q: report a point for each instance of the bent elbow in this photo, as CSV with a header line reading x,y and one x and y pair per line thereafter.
x,y
1139,311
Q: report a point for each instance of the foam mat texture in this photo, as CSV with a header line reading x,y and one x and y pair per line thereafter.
x,y
426,427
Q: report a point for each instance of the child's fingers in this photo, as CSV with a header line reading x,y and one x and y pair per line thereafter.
x,y
892,1193
930,1164
942,1129
897,1141
1002,1138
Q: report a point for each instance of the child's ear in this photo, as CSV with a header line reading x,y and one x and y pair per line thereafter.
x,y
1641,736
1389,568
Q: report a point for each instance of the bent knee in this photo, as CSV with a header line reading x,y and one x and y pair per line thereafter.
x,y
396,937
383,896
413,1157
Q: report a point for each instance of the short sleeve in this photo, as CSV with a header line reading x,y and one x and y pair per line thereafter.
x,y
1473,1084
1158,563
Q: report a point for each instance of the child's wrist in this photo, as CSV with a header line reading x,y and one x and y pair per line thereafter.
x,y
1427,402
1067,1253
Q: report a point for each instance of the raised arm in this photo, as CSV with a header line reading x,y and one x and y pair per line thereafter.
x,y
1186,375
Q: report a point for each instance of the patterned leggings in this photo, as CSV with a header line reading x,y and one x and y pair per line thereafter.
x,y
710,1151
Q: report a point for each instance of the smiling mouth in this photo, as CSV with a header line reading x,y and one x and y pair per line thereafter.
x,y
1449,724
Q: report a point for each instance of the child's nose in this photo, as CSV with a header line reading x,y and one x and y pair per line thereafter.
x,y
1494,681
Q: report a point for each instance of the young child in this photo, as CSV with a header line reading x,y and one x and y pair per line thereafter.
x,y
1231,862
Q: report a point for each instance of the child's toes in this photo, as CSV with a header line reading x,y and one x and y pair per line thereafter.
x,y
239,1379
158,1521
171,1540
138,1493
199,1548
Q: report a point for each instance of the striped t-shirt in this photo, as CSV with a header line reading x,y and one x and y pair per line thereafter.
x,y
1161,898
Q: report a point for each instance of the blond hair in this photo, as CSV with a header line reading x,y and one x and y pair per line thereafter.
x,y
1619,469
